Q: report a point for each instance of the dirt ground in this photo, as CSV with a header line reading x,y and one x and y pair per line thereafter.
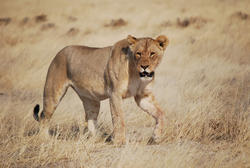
x,y
202,84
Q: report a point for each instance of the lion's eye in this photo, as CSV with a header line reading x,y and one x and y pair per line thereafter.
x,y
138,54
152,54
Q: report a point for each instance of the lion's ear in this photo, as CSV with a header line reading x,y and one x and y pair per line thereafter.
x,y
162,41
131,40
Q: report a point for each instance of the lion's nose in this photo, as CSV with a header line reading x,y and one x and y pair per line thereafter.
x,y
144,66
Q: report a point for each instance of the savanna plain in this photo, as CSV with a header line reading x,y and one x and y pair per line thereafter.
x,y
202,83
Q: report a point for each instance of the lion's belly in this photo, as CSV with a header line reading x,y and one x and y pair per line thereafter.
x,y
89,83
91,87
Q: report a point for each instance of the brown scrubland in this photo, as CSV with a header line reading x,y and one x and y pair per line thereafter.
x,y
202,83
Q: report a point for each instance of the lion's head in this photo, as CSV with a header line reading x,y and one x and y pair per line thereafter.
x,y
147,54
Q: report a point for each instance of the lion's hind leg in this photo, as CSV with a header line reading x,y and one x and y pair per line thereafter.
x,y
55,88
91,108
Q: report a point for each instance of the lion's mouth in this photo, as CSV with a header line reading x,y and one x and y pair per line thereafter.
x,y
146,74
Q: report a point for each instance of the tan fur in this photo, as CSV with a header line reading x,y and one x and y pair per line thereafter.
x,y
114,72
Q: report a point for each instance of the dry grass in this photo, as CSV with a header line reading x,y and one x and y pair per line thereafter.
x,y
203,83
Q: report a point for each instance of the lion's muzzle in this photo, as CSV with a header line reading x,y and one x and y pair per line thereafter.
x,y
146,74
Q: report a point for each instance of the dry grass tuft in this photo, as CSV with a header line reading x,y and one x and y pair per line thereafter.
x,y
197,21
47,26
41,18
5,21
241,15
73,31
116,23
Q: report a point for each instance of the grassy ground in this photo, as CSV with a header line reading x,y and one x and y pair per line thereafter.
x,y
202,84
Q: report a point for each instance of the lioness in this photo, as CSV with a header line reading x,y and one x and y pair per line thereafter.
x,y
116,72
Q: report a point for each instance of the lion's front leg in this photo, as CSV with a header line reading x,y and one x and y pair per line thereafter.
x,y
117,119
148,104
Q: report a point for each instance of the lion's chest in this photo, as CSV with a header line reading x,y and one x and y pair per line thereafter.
x,y
130,88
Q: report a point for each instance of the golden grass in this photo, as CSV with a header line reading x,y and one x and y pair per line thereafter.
x,y
202,84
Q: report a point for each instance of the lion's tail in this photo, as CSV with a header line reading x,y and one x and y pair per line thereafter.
x,y
35,112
